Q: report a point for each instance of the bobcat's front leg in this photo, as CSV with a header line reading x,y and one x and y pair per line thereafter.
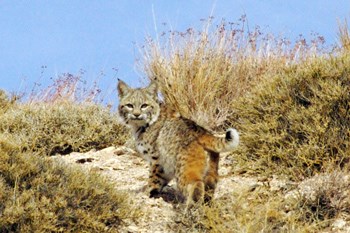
x,y
157,179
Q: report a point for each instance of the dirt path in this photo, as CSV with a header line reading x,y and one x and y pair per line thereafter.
x,y
129,173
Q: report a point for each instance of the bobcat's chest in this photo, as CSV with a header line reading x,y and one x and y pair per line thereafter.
x,y
145,149
145,143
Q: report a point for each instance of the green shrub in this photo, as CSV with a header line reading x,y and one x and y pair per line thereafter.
x,y
62,127
297,122
40,195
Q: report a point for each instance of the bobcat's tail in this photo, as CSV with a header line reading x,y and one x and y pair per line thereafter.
x,y
220,144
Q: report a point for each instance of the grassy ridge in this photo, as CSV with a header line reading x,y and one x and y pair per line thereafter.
x,y
290,101
60,118
38,195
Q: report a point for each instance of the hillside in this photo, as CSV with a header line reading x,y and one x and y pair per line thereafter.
x,y
67,164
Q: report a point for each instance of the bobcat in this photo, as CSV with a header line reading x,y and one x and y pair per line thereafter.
x,y
173,145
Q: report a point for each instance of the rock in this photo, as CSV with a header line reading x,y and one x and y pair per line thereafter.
x,y
108,150
338,224
124,150
277,183
132,229
84,160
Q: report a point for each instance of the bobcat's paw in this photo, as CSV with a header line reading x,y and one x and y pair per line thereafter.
x,y
154,193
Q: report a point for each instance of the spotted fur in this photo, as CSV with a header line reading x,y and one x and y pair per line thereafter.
x,y
175,147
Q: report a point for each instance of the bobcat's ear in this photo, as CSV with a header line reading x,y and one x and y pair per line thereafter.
x,y
153,88
123,88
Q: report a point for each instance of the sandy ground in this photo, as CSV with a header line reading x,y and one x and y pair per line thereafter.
x,y
129,173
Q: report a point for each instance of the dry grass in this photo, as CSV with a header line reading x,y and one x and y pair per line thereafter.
x,y
65,88
62,127
6,102
310,206
297,122
324,197
201,72
344,35
249,211
61,118
39,195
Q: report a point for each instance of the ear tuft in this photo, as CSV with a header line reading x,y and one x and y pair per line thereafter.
x,y
153,88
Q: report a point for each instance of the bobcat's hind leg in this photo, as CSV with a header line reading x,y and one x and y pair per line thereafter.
x,y
191,169
212,176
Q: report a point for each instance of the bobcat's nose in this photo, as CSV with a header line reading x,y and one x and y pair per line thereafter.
x,y
137,115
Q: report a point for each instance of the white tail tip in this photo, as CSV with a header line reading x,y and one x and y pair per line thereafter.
x,y
232,137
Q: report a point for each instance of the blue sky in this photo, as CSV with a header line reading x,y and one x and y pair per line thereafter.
x,y
101,36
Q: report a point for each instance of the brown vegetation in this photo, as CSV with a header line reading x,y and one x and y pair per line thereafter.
x,y
289,100
291,104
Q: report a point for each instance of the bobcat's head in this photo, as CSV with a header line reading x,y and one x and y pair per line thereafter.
x,y
140,106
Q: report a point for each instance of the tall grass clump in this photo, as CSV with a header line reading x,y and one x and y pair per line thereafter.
x,y
201,72
296,122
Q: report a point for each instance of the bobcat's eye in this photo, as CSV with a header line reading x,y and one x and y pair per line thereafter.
x,y
129,106
143,106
